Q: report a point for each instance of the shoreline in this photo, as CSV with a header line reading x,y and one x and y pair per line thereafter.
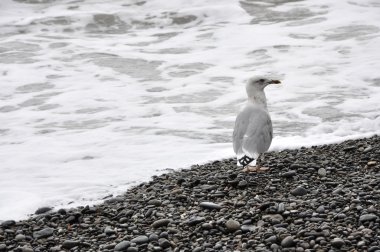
x,y
312,199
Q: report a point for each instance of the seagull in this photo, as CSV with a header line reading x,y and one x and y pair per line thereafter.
x,y
253,130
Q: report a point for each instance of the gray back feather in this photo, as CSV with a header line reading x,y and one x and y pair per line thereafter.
x,y
253,131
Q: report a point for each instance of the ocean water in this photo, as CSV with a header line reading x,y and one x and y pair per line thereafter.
x,y
97,96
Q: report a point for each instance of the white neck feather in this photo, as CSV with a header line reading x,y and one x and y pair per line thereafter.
x,y
258,98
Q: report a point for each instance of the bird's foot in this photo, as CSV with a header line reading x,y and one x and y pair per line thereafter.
x,y
251,169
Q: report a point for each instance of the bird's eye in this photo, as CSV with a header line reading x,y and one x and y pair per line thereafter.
x,y
261,80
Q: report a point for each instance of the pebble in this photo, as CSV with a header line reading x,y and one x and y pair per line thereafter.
x,y
8,223
232,225
299,191
69,244
132,249
121,246
164,243
44,233
161,223
289,174
194,220
140,239
322,172
337,242
368,217
210,205
20,237
109,231
287,242
43,210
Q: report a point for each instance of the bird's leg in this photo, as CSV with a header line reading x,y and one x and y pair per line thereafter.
x,y
252,167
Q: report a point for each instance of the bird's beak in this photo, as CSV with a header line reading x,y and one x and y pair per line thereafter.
x,y
274,82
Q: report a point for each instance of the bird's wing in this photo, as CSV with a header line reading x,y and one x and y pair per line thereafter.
x,y
253,131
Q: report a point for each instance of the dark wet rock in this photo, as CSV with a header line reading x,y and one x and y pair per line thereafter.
x,y
43,210
132,249
161,223
368,217
194,220
164,243
289,174
140,239
122,246
337,242
299,191
210,205
69,244
8,223
44,233
287,242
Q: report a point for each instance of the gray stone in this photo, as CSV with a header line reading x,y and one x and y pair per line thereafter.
x,y
153,237
20,237
210,205
8,223
367,217
322,172
273,218
194,220
44,233
287,242
271,239
248,228
289,174
337,242
140,239
161,223
121,246
232,225
154,202
132,249
299,191
109,231
69,244
164,243
42,210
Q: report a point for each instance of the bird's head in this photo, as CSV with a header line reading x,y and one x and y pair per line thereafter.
x,y
260,82
255,89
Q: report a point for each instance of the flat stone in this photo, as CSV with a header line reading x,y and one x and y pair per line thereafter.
x,y
232,225
132,249
299,191
121,246
43,210
44,233
161,223
194,220
289,174
69,244
287,242
368,217
274,218
109,231
337,242
140,239
154,202
210,205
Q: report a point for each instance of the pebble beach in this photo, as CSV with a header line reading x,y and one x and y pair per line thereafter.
x,y
323,198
